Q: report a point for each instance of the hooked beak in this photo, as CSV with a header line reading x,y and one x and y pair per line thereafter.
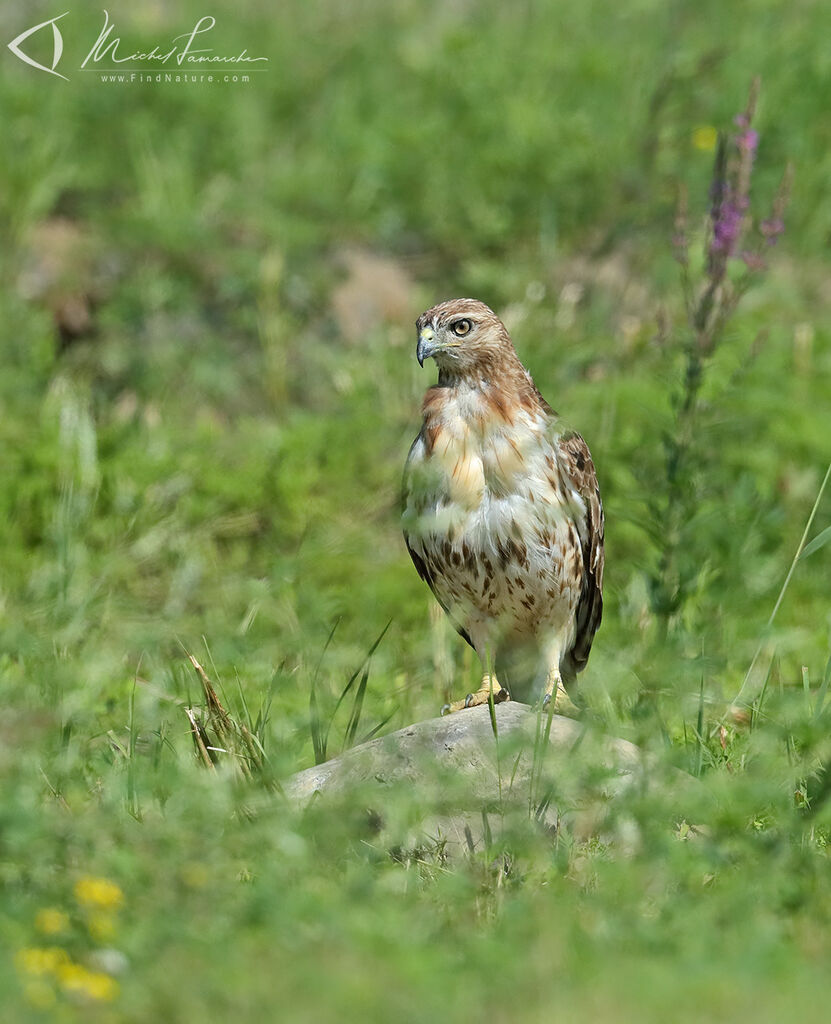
x,y
426,344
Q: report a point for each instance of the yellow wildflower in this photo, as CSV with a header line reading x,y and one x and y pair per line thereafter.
x,y
51,921
705,138
101,926
101,987
72,977
98,893
40,960
78,980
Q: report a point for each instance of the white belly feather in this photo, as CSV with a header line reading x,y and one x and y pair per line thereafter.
x,y
497,526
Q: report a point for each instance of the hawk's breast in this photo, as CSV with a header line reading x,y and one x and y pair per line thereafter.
x,y
493,519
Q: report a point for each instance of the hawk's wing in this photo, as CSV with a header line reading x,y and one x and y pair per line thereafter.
x,y
576,463
426,575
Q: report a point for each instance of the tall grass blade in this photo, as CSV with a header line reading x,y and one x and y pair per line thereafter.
x,y
351,683
494,727
806,688
355,713
700,730
818,542
823,690
319,738
758,704
132,789
782,592
377,728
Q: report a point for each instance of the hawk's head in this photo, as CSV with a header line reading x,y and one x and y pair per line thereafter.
x,y
465,337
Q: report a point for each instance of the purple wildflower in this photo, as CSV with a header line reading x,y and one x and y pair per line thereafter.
x,y
747,141
753,261
771,229
718,187
726,227
731,189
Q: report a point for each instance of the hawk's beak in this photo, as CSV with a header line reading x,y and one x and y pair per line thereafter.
x,y
426,344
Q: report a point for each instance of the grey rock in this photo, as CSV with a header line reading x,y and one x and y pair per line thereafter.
x,y
463,743
451,782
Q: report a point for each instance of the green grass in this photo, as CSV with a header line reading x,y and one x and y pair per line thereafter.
x,y
215,471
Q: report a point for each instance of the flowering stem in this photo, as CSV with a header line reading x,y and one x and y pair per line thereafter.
x,y
707,314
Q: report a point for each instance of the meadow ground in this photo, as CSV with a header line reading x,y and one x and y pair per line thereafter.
x,y
208,390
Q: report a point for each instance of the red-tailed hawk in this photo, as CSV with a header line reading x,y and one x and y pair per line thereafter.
x,y
502,514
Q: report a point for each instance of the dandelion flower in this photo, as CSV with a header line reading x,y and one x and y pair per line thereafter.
x,y
98,893
78,980
704,138
35,960
51,921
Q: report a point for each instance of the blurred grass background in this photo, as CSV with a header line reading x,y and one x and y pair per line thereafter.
x,y
208,391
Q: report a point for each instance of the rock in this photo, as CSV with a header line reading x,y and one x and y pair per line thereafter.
x,y
450,781
463,743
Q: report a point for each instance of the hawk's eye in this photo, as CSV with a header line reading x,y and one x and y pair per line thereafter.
x,y
461,327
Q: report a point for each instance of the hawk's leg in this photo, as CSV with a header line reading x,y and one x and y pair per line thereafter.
x,y
481,696
555,700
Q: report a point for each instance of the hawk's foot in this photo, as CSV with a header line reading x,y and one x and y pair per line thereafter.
x,y
482,696
556,701
559,702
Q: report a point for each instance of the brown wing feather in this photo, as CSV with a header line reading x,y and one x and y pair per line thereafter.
x,y
427,576
576,463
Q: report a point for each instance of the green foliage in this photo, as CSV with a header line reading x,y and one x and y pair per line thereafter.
x,y
214,469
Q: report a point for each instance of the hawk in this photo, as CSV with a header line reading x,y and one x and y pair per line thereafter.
x,y
502,514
